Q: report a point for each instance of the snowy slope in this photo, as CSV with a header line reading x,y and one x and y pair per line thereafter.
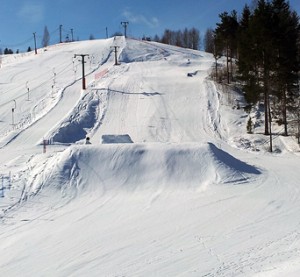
x,y
167,188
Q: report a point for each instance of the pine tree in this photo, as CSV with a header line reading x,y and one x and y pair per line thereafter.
x,y
268,52
261,46
248,60
226,33
217,52
269,56
46,37
285,31
209,41
8,51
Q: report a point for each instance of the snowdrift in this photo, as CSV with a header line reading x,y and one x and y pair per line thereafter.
x,y
147,166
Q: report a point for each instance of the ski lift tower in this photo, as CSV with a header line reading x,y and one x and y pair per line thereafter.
x,y
83,62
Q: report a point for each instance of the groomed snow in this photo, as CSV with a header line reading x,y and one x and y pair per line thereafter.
x,y
171,184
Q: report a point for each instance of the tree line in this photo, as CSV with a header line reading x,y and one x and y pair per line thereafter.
x,y
187,38
264,43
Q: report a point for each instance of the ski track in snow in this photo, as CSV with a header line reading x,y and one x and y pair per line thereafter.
x,y
178,199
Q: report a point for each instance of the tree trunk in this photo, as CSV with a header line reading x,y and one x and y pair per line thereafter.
x,y
231,66
266,102
270,125
266,76
284,115
227,63
216,69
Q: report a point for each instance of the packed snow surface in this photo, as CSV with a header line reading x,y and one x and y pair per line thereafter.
x,y
170,184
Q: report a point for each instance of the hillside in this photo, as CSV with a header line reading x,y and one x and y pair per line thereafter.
x,y
171,184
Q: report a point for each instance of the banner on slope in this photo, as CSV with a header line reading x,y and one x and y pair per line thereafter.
x,y
100,74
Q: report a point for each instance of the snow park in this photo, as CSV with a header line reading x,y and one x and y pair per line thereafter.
x,y
168,183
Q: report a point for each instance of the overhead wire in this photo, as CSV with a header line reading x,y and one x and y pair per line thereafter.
x,y
26,41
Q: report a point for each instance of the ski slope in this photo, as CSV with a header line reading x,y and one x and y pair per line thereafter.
x,y
171,184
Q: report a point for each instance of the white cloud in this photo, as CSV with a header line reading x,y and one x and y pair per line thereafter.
x,y
150,22
31,12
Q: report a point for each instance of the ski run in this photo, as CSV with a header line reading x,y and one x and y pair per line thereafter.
x,y
171,184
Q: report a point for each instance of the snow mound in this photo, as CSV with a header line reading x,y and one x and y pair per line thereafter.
x,y
82,119
232,162
135,53
137,166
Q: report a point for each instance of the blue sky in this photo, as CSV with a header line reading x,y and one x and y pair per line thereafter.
x,y
20,18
